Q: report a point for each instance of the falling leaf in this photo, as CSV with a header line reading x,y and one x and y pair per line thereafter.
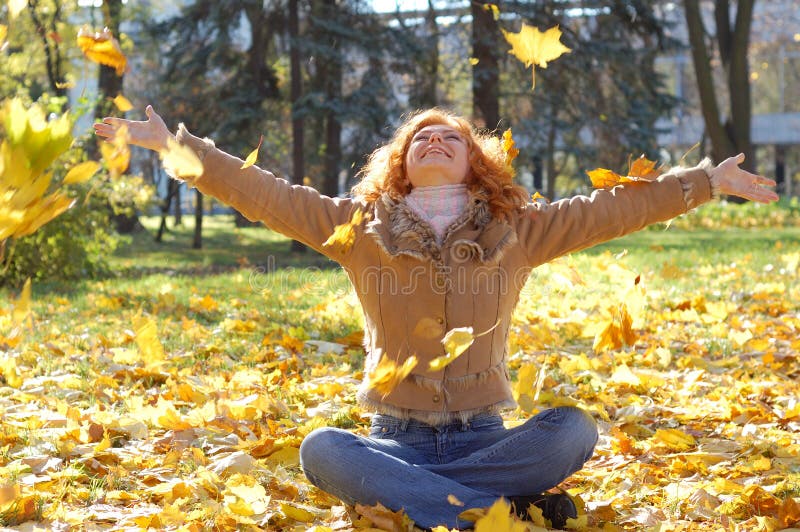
x,y
116,152
458,340
474,61
494,9
122,103
510,149
452,499
22,306
147,340
498,519
3,34
617,332
251,159
15,7
428,328
101,47
81,172
30,145
387,374
344,235
181,160
535,197
535,48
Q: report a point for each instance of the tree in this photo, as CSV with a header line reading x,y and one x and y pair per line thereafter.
x,y
597,105
298,125
486,70
732,135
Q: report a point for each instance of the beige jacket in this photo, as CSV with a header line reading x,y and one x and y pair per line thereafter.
x,y
413,291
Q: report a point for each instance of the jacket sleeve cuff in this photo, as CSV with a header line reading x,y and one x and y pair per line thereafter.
x,y
201,148
697,186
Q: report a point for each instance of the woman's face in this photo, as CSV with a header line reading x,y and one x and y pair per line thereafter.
x,y
438,155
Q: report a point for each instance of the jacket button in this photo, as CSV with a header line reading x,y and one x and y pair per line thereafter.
x,y
436,398
384,429
440,320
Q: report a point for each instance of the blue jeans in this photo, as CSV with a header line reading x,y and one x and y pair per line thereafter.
x,y
413,466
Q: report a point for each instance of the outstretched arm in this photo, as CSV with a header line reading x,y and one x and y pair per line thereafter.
x,y
576,223
298,212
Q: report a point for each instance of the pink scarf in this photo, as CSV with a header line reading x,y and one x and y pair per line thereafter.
x,y
440,205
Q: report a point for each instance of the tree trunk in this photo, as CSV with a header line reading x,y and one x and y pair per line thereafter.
x,y
734,136
425,85
296,89
485,73
172,189
197,243
331,71
177,213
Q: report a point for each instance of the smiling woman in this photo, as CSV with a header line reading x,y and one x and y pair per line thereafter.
x,y
437,238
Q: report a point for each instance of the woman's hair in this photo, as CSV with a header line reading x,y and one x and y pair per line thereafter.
x,y
489,178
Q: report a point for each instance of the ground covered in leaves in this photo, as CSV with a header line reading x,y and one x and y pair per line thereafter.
x,y
179,401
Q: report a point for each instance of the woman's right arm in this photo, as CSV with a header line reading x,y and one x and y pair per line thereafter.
x,y
298,212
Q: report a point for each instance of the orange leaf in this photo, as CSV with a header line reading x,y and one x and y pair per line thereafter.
x,y
643,168
101,47
603,178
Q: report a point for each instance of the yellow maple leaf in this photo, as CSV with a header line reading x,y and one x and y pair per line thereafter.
x,y
3,34
81,172
22,306
251,159
15,7
101,47
455,342
344,235
674,439
494,9
617,332
116,152
498,519
181,160
388,374
122,103
535,48
147,340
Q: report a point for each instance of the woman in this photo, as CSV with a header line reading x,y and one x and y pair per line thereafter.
x,y
447,241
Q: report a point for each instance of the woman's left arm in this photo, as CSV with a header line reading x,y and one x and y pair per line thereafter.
x,y
565,226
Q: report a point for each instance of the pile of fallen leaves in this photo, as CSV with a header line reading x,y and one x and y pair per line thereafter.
x,y
138,409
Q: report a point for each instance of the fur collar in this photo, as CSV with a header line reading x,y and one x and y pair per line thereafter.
x,y
475,234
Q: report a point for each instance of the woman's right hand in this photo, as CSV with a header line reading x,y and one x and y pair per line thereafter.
x,y
151,133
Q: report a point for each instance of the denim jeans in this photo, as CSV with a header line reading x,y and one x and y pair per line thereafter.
x,y
413,466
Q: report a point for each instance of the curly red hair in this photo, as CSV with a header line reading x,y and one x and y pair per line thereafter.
x,y
489,178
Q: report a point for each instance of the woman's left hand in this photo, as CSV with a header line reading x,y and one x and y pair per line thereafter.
x,y
736,181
